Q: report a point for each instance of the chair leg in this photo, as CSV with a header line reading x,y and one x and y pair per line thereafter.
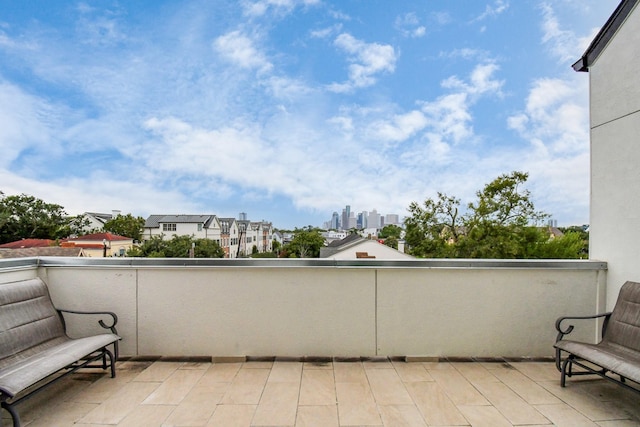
x,y
111,362
14,414
563,372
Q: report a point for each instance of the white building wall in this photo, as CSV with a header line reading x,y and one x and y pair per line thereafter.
x,y
615,157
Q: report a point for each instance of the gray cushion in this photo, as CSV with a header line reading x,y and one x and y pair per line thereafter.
x,y
30,370
619,350
33,342
624,326
28,319
615,358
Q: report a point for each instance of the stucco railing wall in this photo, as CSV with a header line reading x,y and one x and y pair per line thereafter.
x,y
230,308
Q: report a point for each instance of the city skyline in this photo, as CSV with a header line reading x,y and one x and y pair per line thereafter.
x,y
290,108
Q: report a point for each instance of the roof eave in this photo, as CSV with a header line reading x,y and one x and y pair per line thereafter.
x,y
606,33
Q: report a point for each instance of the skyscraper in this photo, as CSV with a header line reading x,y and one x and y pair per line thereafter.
x,y
335,221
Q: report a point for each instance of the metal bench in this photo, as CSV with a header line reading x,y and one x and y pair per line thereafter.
x,y
35,349
618,352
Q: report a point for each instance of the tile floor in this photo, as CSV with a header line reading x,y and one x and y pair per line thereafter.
x,y
380,393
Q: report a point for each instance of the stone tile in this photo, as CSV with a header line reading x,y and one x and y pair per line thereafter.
x,y
258,365
481,416
433,366
538,371
459,390
618,423
576,396
318,365
158,371
175,388
387,387
65,414
247,387
349,372
564,415
148,415
475,372
118,406
197,407
105,387
318,387
530,391
232,416
220,373
512,406
410,372
401,416
317,416
278,405
356,405
377,363
285,372
434,404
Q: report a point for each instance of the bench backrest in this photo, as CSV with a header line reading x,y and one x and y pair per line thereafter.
x,y
28,320
624,325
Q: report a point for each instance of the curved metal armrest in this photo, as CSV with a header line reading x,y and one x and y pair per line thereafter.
x,y
569,329
111,327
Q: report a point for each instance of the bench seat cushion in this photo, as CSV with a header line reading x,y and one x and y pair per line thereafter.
x,y
30,370
618,359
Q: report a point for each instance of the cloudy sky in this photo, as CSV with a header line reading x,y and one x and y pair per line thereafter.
x,y
289,110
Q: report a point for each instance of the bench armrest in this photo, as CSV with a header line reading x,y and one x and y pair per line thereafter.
x,y
569,329
112,326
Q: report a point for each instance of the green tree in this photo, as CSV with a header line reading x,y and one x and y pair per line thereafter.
x,y
26,217
502,223
177,247
433,228
392,242
306,243
126,225
391,230
583,233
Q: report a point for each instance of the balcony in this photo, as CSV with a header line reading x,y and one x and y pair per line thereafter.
x,y
318,342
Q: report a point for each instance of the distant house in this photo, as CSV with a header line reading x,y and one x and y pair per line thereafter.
x,y
100,244
198,226
29,243
357,247
230,237
96,221
56,251
41,251
235,237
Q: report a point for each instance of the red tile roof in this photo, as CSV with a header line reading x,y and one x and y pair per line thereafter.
x,y
29,243
109,237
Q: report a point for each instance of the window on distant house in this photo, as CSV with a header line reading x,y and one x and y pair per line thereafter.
x,y
168,227
199,227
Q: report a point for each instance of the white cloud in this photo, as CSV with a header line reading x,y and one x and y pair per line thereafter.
x,y
260,7
400,127
240,50
26,123
326,32
564,44
493,10
367,61
555,121
554,117
409,25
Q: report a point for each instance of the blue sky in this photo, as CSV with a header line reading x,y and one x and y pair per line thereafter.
x,y
289,110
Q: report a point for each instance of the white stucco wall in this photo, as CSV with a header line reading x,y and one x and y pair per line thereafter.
x,y
236,308
615,156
